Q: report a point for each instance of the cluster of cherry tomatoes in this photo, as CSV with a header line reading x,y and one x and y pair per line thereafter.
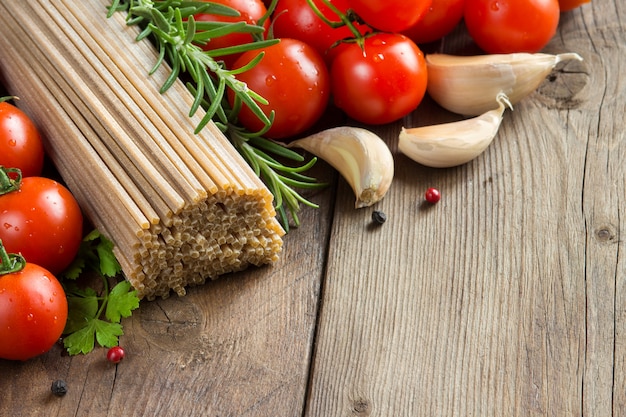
x,y
364,56
41,227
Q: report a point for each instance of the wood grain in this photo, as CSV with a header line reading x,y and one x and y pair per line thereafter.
x,y
507,298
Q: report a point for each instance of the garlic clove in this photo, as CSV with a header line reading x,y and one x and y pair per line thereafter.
x,y
451,144
359,155
468,84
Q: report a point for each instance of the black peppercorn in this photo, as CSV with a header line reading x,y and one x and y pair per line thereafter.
x,y
379,217
59,388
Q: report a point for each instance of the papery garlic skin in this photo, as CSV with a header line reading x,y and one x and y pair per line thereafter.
x,y
359,155
451,144
467,85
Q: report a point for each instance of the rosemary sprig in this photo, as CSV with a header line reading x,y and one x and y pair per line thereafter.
x,y
178,38
280,179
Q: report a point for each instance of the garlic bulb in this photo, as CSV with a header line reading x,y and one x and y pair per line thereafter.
x,y
468,84
450,144
359,155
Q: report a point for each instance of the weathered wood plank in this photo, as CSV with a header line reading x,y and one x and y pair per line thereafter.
x,y
603,208
506,298
237,346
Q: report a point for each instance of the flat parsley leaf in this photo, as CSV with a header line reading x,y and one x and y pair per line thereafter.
x,y
95,253
107,332
83,340
108,263
94,315
81,310
122,301
80,341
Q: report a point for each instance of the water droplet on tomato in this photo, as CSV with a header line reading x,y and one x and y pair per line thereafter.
x,y
12,142
378,58
270,80
378,42
495,6
30,317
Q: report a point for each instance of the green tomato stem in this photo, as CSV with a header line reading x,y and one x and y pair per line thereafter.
x,y
346,19
11,262
8,184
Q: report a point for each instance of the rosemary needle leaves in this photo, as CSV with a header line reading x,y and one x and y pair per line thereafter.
x,y
178,38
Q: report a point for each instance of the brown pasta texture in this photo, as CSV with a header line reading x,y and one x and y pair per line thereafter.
x,y
179,207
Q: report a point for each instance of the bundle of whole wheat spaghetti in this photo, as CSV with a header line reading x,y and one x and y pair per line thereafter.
x,y
179,207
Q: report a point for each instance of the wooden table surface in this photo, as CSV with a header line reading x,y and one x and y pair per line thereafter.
x,y
507,298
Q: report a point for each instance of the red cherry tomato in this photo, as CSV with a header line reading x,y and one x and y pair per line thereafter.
x,y
381,82
43,222
251,11
567,5
506,26
33,312
296,19
294,79
440,19
20,142
390,15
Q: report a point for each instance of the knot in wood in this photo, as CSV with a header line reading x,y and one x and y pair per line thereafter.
x,y
171,323
605,234
561,88
361,407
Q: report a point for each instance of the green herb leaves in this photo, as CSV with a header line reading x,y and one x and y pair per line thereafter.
x,y
95,316
96,253
122,301
84,327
